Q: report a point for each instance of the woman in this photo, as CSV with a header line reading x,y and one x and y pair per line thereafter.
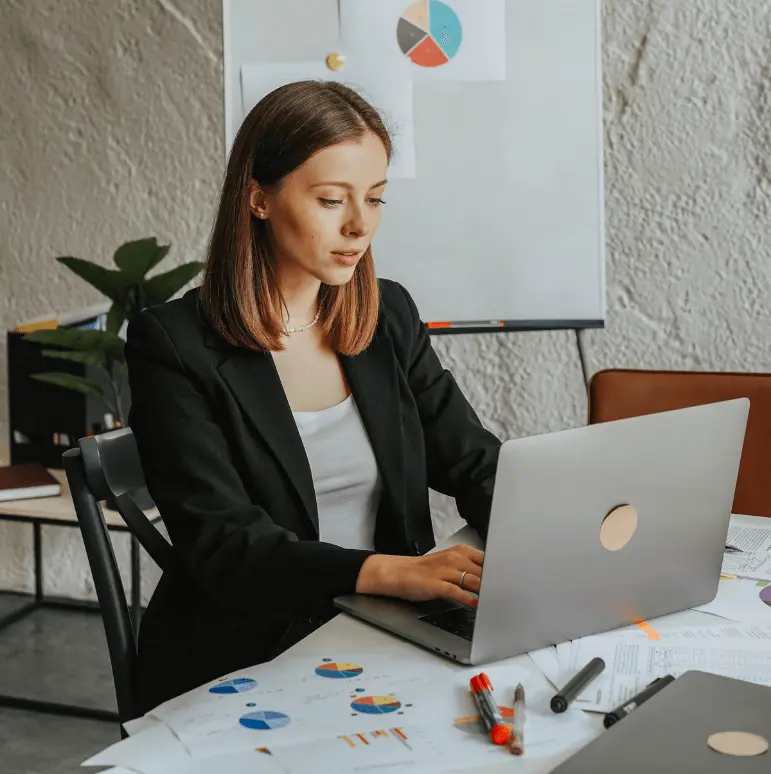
x,y
291,413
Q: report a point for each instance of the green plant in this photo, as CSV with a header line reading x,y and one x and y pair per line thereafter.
x,y
130,290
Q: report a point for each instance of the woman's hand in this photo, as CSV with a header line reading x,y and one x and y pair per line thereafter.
x,y
421,578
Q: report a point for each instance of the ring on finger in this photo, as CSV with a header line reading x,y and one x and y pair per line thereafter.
x,y
462,576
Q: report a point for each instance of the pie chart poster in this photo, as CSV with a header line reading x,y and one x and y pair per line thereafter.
x,y
431,40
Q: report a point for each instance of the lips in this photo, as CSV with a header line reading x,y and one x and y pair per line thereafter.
x,y
348,258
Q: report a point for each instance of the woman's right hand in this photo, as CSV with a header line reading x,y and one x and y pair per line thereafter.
x,y
421,578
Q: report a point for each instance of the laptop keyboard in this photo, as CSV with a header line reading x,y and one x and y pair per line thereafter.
x,y
456,620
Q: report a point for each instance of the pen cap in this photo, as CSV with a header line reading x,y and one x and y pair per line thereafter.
x,y
562,699
480,682
500,734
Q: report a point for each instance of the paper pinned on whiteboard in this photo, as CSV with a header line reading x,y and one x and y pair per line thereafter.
x,y
430,40
389,92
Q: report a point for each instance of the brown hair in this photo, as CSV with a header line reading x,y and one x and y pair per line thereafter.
x,y
239,293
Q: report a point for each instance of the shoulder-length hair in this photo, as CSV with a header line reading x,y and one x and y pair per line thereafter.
x,y
239,294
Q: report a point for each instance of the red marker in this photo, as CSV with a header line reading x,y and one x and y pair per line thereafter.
x,y
482,690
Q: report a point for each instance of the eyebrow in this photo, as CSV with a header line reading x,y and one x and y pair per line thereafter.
x,y
346,185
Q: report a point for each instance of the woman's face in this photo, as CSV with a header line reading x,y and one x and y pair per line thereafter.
x,y
325,214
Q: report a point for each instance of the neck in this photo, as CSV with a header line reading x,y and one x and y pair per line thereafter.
x,y
301,296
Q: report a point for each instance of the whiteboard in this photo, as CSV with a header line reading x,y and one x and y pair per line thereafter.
x,y
503,219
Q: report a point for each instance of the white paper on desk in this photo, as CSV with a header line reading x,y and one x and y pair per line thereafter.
x,y
728,633
546,660
743,600
452,736
451,40
388,91
136,726
251,762
755,542
294,699
630,665
150,752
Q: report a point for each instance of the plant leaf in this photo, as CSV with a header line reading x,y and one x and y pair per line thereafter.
x,y
109,344
71,382
95,359
163,286
136,258
112,283
115,318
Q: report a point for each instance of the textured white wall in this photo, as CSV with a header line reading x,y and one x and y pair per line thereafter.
x,y
112,129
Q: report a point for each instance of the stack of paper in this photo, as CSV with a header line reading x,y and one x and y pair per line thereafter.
x,y
632,660
754,558
352,713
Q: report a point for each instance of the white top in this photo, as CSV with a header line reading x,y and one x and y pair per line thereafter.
x,y
345,474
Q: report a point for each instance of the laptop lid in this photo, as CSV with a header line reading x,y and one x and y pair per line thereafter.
x,y
547,576
682,729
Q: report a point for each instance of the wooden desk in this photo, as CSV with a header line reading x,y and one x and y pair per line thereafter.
x,y
60,512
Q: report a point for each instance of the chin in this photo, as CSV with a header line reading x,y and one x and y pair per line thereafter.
x,y
338,275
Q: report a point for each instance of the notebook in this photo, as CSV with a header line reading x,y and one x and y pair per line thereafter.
x,y
26,481
670,731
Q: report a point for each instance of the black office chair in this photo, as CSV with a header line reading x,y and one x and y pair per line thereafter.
x,y
107,467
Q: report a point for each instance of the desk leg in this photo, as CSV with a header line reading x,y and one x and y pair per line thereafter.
x,y
38,538
136,586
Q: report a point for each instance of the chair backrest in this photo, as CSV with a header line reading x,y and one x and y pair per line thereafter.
x,y
621,393
113,469
108,467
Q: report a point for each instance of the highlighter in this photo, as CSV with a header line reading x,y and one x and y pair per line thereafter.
x,y
482,691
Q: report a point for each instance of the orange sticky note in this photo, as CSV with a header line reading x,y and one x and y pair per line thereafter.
x,y
649,630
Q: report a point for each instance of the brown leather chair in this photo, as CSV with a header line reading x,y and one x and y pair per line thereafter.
x,y
620,393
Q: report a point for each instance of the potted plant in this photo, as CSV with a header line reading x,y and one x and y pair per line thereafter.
x,y
130,290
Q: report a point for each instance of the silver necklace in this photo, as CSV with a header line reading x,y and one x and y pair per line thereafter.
x,y
305,327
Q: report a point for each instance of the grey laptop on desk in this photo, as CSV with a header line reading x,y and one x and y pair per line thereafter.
x,y
681,730
563,504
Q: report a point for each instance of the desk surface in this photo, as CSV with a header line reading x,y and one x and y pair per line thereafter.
x,y
363,637
58,508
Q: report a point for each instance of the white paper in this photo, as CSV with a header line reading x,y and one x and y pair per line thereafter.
x,y
304,698
136,726
452,735
150,752
451,40
743,600
252,762
388,91
547,661
631,664
755,542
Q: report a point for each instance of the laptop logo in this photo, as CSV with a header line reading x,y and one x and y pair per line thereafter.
x,y
618,526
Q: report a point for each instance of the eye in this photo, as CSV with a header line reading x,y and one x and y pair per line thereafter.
x,y
330,202
376,202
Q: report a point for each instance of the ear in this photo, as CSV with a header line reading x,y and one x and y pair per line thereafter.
x,y
257,203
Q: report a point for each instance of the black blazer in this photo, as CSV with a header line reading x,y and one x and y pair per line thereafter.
x,y
226,467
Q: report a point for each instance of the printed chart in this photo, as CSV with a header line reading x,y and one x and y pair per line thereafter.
x,y
429,33
375,705
236,685
338,669
265,720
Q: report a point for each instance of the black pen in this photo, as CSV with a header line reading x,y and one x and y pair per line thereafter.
x,y
560,701
729,549
629,706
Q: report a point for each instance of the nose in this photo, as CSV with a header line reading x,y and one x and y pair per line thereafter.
x,y
357,225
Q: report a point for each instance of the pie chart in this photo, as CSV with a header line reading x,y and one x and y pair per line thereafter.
x,y
765,595
338,669
265,720
237,685
429,33
376,705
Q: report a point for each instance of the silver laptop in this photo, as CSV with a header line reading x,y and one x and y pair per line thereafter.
x,y
590,529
